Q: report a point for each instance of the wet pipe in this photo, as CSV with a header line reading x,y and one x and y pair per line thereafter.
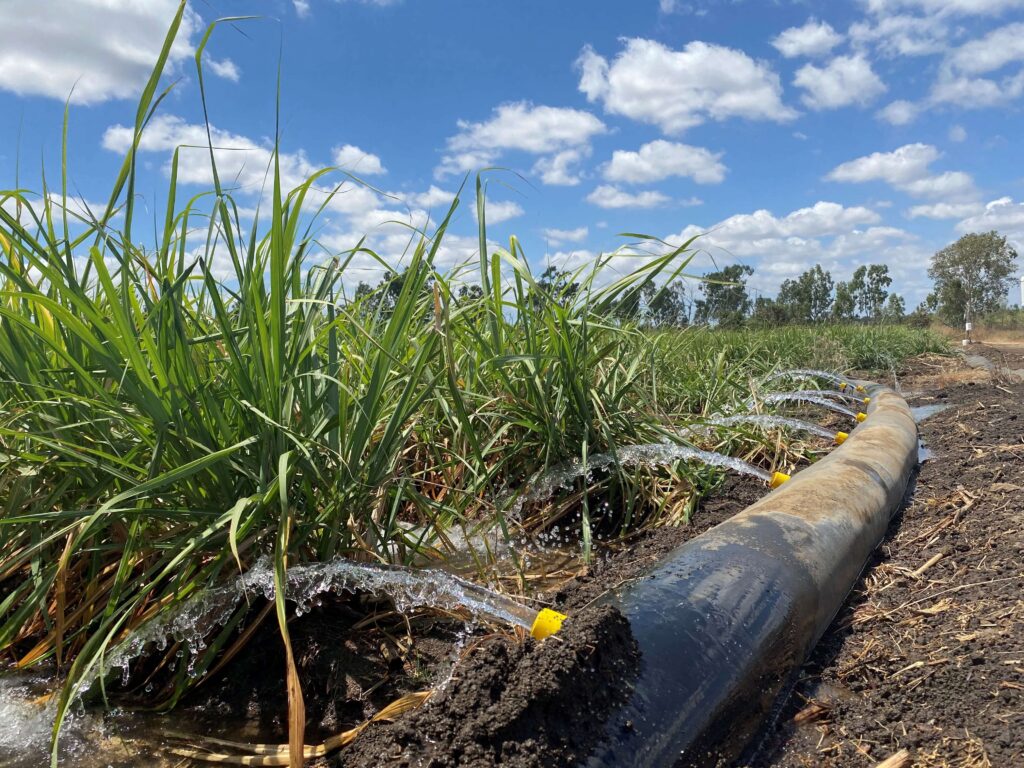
x,y
724,622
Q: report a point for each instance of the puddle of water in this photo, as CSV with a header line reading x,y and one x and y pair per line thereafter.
x,y
977,361
924,453
922,412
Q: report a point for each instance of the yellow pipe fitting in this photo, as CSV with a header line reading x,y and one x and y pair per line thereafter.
x,y
861,416
778,478
860,388
546,623
842,386
841,437
867,400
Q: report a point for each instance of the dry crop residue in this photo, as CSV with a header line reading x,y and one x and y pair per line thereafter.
x,y
928,655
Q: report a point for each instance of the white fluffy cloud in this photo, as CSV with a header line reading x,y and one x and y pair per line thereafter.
x,y
529,128
244,164
560,236
945,7
943,210
502,210
610,196
355,160
908,169
950,185
392,245
843,81
838,237
815,38
962,80
1003,215
957,133
562,168
994,51
822,219
676,90
661,159
524,127
432,198
901,35
976,92
899,112
225,68
241,161
975,75
908,163
104,49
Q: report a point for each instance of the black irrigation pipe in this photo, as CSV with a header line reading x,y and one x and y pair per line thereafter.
x,y
726,620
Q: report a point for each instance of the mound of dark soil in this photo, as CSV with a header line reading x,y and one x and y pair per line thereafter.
x,y
542,704
510,704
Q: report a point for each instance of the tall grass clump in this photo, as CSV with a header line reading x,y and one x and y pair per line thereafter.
x,y
170,414
163,425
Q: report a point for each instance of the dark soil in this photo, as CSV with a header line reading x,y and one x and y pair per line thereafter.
x,y
509,701
928,654
526,705
515,704
354,657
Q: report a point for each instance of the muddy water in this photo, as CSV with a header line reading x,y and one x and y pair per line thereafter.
x,y
977,361
922,412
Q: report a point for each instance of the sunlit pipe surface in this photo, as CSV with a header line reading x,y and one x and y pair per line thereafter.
x,y
724,622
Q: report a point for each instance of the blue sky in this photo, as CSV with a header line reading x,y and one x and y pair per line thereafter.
x,y
789,133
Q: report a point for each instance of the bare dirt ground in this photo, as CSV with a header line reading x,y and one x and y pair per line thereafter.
x,y
924,667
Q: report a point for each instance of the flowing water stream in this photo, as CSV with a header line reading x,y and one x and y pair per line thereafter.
x,y
834,394
562,477
408,588
783,397
766,420
810,373
922,412
27,708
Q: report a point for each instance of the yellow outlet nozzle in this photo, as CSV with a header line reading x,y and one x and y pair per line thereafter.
x,y
841,437
778,478
859,388
867,400
842,386
547,623
861,416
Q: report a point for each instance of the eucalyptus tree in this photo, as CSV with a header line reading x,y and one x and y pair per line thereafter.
x,y
972,276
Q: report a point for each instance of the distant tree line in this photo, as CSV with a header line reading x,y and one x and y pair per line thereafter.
x,y
971,279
